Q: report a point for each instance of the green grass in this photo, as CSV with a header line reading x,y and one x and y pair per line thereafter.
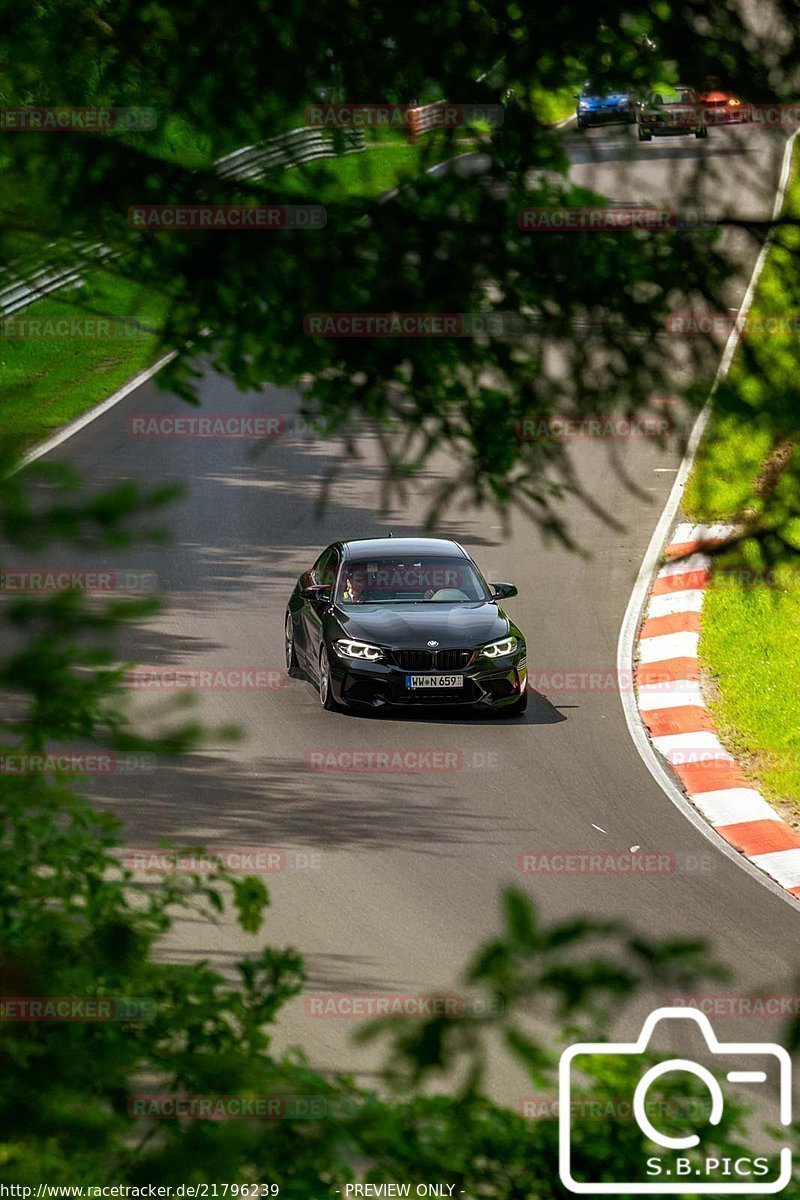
x,y
750,640
48,382
554,106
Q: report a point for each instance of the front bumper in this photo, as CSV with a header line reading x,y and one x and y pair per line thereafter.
x,y
606,116
488,683
671,129
728,114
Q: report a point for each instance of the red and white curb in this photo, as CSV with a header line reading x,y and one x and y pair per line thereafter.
x,y
671,705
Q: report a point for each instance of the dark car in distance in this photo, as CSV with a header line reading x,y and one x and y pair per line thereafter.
x,y
405,622
670,111
607,105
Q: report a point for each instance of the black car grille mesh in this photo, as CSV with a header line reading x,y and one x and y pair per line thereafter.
x,y
431,660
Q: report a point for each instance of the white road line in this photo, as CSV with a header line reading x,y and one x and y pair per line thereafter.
x,y
79,423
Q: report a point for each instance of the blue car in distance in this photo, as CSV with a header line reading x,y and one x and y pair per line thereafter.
x,y
608,105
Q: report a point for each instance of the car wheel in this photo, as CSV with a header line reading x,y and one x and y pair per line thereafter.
x,y
581,125
702,133
644,134
325,691
292,665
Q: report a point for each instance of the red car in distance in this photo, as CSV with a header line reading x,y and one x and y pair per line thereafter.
x,y
723,108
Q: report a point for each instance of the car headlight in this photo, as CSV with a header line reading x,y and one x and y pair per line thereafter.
x,y
499,649
582,105
361,650
733,101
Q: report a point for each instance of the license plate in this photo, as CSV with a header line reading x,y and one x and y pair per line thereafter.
x,y
434,681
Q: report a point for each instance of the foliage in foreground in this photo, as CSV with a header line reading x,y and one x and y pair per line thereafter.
x,y
73,922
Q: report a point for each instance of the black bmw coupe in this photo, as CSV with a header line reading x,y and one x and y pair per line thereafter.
x,y
405,621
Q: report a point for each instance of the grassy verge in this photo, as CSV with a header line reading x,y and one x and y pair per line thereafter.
x,y
48,381
750,641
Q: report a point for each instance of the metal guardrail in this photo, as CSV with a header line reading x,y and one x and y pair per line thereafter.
x,y
290,149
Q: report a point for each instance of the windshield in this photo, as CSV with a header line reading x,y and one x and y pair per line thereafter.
x,y
602,90
671,95
425,580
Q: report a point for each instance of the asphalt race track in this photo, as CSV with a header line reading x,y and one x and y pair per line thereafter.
x,y
408,866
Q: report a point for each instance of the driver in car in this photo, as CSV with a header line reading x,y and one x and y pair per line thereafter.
x,y
353,588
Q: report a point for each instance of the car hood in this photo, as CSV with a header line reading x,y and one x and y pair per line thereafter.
x,y
610,101
408,626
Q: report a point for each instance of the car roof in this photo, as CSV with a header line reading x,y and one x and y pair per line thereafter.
x,y
401,545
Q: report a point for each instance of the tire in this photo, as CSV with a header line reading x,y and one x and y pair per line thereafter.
x,y
644,135
292,665
702,133
325,693
580,125
518,707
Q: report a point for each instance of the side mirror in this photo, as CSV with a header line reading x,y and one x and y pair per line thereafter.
x,y
577,95
316,591
503,591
